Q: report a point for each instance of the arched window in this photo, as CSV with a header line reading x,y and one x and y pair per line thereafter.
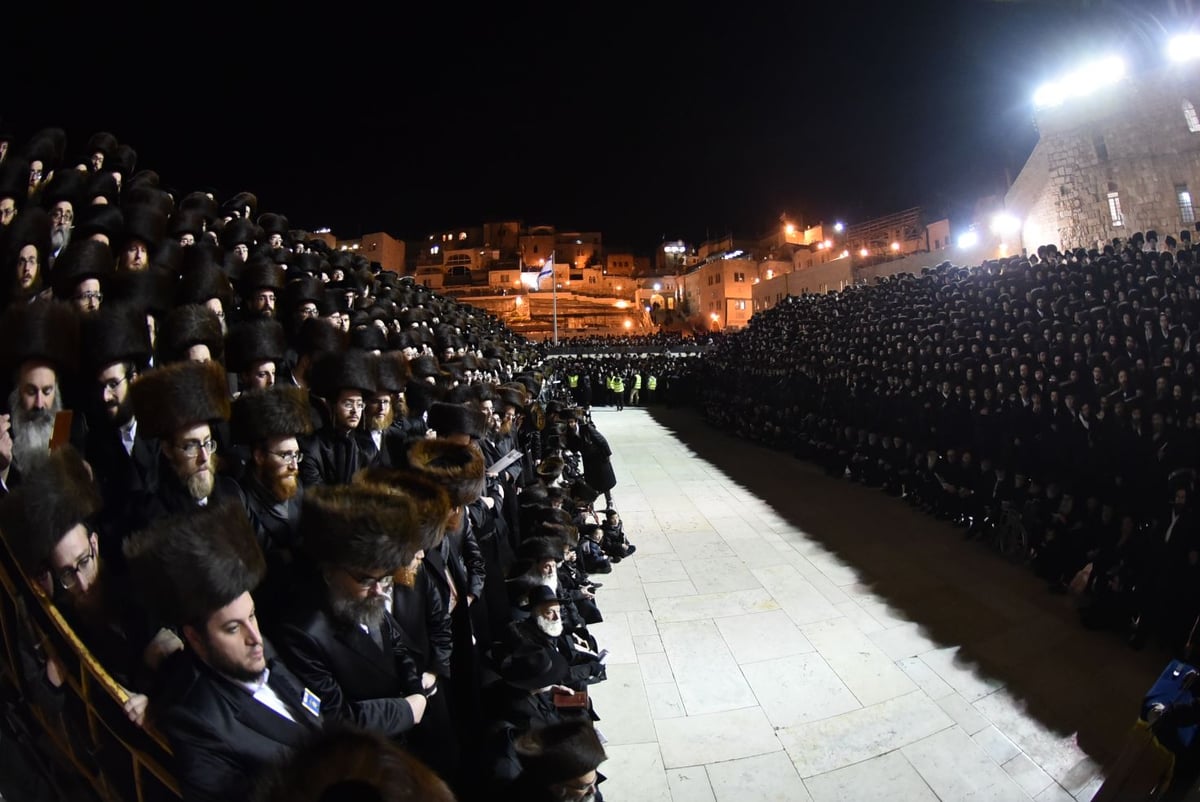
x,y
1189,114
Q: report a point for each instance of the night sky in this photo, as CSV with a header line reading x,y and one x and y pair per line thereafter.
x,y
643,121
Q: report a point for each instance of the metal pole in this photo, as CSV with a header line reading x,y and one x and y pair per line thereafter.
x,y
554,280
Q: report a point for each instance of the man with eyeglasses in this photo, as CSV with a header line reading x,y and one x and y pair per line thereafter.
x,y
341,447
116,349
78,271
53,511
338,634
62,196
179,404
270,422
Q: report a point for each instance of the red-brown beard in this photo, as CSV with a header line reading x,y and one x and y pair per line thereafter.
x,y
285,487
380,423
407,575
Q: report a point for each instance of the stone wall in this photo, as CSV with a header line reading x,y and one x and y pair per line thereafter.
x,y
1132,139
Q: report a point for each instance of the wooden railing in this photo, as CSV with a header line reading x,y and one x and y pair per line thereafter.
x,y
89,730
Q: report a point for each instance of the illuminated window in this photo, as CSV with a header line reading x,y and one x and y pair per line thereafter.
x,y
739,305
1186,211
1189,114
1114,209
739,277
462,235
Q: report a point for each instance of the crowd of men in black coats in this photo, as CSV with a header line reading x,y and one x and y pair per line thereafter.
x,y
275,489
1049,404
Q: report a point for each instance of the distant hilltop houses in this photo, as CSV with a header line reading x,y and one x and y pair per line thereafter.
x,y
515,270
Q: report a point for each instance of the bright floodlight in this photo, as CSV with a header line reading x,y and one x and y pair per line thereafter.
x,y
1004,224
1184,47
838,227
968,239
1083,81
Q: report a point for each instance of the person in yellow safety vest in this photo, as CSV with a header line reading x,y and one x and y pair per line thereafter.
x,y
618,388
573,386
651,386
635,395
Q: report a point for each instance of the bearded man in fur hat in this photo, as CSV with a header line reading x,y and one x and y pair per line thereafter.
x,y
40,343
253,349
269,422
179,404
242,711
338,633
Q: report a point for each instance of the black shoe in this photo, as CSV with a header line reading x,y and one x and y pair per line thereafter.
x,y
630,549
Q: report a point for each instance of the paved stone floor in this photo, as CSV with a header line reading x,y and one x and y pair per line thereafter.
x,y
784,635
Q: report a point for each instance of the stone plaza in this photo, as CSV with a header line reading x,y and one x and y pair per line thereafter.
x,y
784,635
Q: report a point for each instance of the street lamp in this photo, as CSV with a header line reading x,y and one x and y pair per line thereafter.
x,y
1184,47
838,227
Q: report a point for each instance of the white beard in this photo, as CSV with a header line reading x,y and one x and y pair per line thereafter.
x,y
59,238
551,628
31,432
550,581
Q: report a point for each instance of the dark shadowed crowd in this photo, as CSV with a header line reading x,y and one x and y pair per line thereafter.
x,y
326,529
1048,405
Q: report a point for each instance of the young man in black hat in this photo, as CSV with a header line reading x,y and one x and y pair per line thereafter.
x,y
341,448
237,711
116,349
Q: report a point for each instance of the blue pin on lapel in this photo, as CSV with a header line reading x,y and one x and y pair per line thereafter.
x,y
311,702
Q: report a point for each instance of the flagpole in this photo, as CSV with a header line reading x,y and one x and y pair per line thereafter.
x,y
554,285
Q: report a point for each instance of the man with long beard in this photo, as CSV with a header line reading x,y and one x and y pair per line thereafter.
x,y
338,634
269,422
41,341
544,628
178,404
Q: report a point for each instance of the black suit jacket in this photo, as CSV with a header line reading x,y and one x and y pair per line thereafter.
x,y
123,479
223,738
170,497
358,681
424,623
332,457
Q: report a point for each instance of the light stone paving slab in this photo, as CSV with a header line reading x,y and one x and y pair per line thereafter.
x,y
714,737
690,784
622,697
798,689
762,636
765,778
836,742
634,771
886,778
708,677
869,674
956,768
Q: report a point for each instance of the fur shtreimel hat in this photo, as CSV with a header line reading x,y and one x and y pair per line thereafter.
x,y
360,526
261,274
238,232
278,411
187,567
43,330
391,372
177,396
80,260
55,495
112,335
447,419
202,279
186,326
144,223
272,223
149,291
253,342
459,469
333,372
432,500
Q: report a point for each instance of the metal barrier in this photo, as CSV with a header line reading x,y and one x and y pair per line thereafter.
x,y
121,761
